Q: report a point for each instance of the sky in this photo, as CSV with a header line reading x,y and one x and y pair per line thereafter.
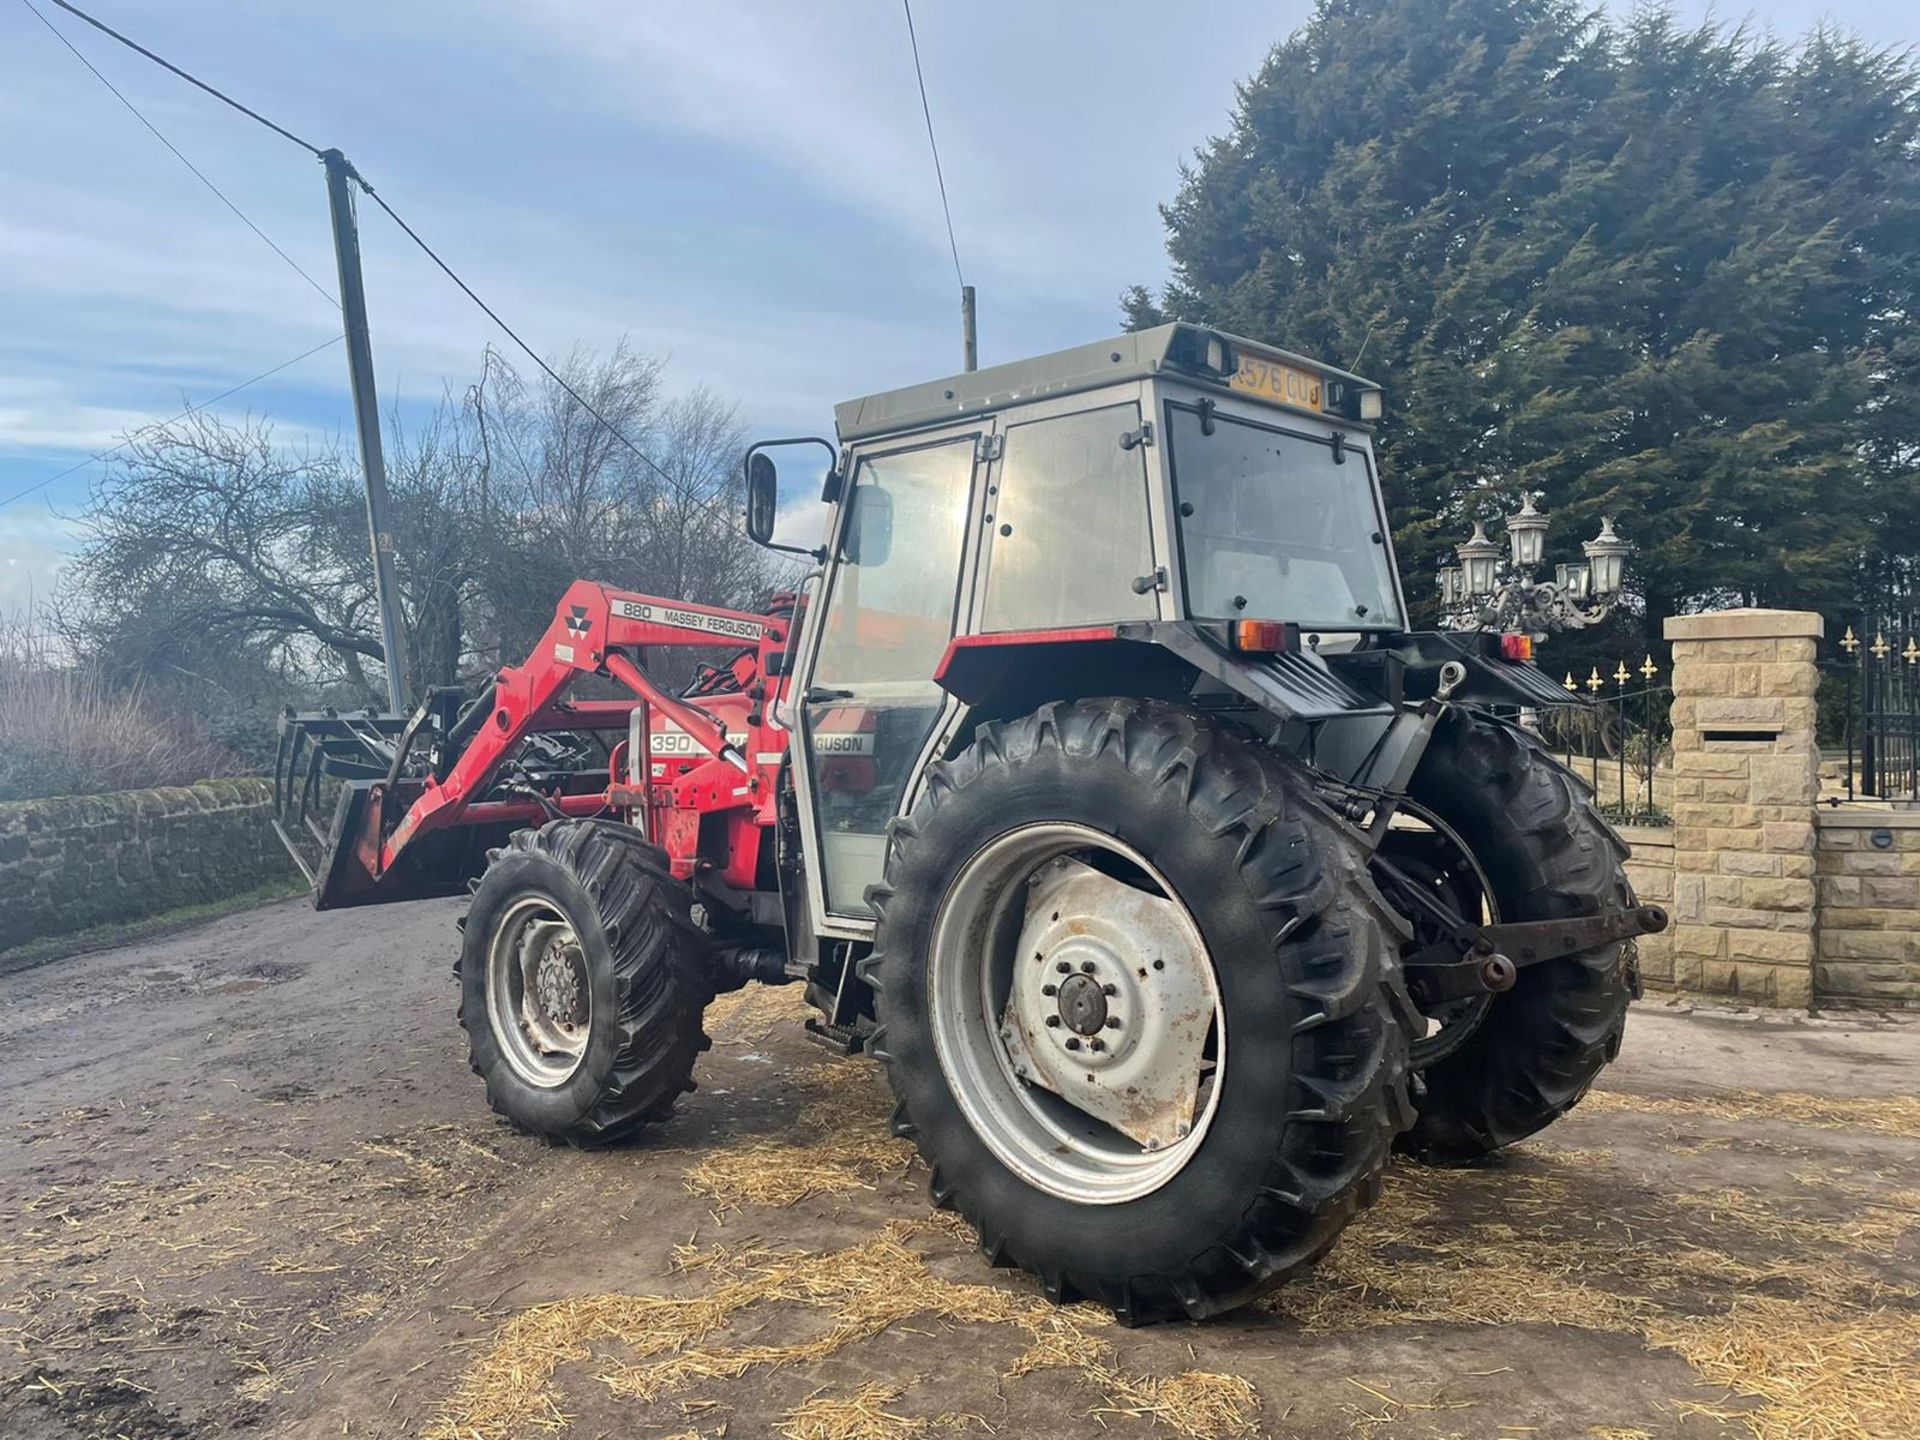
x,y
742,187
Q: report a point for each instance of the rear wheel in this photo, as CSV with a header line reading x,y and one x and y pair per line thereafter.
x,y
1140,1005
1526,844
583,980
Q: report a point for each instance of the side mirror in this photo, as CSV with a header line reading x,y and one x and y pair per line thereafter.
x,y
763,496
763,493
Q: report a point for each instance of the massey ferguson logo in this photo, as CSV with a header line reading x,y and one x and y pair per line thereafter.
x,y
577,620
844,742
723,625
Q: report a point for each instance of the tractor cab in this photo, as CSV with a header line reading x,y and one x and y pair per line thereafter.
x,y
1081,523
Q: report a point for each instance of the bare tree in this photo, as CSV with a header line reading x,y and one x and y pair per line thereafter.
x,y
214,551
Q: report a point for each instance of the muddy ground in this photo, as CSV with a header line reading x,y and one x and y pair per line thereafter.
x,y
248,1187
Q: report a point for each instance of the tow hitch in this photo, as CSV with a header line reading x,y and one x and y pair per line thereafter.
x,y
1469,959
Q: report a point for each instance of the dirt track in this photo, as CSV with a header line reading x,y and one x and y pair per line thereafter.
x,y
249,1187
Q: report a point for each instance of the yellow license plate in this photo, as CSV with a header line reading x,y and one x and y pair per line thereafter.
x,y
1277,384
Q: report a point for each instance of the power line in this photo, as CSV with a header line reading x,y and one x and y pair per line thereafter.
x,y
191,79
932,144
411,234
320,289
162,424
534,355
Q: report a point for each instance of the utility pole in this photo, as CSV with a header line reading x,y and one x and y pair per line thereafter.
x,y
969,341
366,412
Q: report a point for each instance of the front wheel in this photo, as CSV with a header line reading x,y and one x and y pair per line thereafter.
x,y
583,981
1140,1005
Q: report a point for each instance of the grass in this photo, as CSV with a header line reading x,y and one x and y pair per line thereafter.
x,y
69,730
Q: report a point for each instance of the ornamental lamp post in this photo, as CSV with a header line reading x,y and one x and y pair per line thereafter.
x,y
1606,556
1480,559
1475,595
1527,535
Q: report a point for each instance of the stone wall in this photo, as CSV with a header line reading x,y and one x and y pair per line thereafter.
x,y
1651,872
1869,921
84,860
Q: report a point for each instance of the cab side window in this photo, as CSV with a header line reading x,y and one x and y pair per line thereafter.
x,y
1071,527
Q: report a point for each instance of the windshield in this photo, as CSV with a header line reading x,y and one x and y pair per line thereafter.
x,y
1274,527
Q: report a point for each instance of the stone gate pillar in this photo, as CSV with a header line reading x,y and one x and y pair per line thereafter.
x,y
1745,780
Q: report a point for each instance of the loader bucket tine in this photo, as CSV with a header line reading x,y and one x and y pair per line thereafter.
x,y
279,769
310,787
294,851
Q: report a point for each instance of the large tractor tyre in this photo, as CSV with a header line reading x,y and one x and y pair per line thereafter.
x,y
1141,1007
1520,1060
582,983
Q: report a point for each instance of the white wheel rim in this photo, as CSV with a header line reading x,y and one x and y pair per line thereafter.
x,y
1133,957
539,1000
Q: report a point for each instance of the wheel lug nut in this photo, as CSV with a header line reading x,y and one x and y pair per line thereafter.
x,y
1073,1042
1096,1043
1049,989
1109,989
1087,966
1053,1022
1063,967
1113,1022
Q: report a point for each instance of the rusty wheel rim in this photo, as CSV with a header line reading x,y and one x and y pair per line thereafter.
x,y
1076,1013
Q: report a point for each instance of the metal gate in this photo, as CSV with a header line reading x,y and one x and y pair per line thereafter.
x,y
1879,660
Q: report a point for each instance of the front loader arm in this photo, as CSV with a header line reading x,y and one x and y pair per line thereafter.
x,y
592,626
595,631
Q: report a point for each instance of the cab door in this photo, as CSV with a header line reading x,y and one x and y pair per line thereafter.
x,y
902,549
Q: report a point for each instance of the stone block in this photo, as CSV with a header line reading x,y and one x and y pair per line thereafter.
x,y
1876,862
1770,947
1723,889
1698,942
1689,897
1765,894
1797,867
1652,882
1834,891
1894,891
1740,916
1788,837
1721,625
1869,945
1782,780
1719,977
1793,986
1788,678
1710,762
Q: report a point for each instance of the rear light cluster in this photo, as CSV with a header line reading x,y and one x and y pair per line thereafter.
x,y
1516,647
1264,636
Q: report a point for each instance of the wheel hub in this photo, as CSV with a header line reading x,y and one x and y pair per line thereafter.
x,y
1083,1005
557,984
1111,1003
538,1000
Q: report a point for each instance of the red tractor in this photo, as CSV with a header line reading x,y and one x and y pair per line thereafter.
x,y
1092,782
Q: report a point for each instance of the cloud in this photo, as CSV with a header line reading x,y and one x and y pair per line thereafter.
x,y
34,546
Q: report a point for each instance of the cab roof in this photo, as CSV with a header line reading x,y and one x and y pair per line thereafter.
x,y
1177,348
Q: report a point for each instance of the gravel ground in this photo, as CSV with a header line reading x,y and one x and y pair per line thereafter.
x,y
250,1187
